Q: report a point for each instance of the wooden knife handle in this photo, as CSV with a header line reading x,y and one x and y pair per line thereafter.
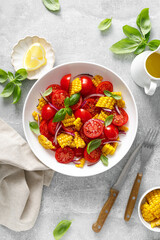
x,y
105,210
133,197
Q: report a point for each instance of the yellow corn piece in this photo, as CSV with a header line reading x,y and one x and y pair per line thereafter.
x,y
45,142
123,128
64,139
82,162
120,103
78,124
68,120
117,93
35,115
106,102
72,144
75,86
115,144
79,141
96,116
155,223
41,103
97,79
153,199
103,115
108,149
146,212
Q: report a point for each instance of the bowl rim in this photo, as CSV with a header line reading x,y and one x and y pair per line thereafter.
x,y
146,224
99,65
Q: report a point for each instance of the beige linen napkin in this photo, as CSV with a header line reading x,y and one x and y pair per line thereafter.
x,y
22,177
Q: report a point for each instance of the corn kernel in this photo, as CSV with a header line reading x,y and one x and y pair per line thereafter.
x,y
78,124
68,120
97,79
82,162
35,115
41,103
45,142
106,102
75,86
64,139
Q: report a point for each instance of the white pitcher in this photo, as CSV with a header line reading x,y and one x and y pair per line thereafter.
x,y
140,74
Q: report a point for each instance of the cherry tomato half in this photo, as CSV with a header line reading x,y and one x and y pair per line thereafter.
x,y
54,87
90,106
64,155
77,105
52,126
83,136
111,132
58,98
120,119
94,156
106,85
48,112
65,81
87,86
93,128
69,129
83,114
44,128
78,152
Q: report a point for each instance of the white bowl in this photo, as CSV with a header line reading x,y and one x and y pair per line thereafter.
x,y
142,201
54,76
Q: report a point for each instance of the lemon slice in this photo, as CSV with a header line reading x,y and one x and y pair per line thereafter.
x,y
35,57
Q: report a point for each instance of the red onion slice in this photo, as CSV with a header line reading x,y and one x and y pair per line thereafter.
x,y
83,74
116,141
55,136
72,134
83,103
53,106
38,120
122,132
107,109
91,164
94,95
117,109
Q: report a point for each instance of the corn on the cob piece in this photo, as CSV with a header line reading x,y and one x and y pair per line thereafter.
x,y
153,196
155,223
64,139
106,102
123,128
120,103
97,79
79,141
68,120
103,115
108,149
45,142
72,144
75,86
117,93
82,162
96,116
35,115
147,213
78,124
41,103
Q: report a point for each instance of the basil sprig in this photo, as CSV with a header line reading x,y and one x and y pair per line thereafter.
x,y
136,40
109,94
61,229
13,87
104,160
52,5
94,144
34,127
47,92
108,120
105,24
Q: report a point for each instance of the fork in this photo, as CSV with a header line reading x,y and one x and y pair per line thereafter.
x,y
147,149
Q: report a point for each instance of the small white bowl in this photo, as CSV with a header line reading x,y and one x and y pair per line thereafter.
x,y
19,50
142,201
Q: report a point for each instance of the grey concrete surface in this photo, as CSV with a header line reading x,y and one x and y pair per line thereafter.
x,y
74,36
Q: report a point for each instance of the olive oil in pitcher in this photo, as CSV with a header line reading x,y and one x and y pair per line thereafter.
x,y
153,65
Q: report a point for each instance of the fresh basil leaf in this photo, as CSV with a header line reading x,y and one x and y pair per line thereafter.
x,y
105,24
60,115
140,48
104,160
21,74
17,82
109,94
147,36
69,111
52,5
67,102
74,99
10,76
132,33
61,229
117,97
34,127
124,46
94,144
143,21
8,90
154,44
16,94
47,92
108,120
3,76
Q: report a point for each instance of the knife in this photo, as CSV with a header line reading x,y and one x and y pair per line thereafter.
x,y
114,191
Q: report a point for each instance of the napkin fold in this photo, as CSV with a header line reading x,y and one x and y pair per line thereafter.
x,y
22,177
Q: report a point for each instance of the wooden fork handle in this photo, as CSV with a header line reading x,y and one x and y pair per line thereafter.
x,y
105,210
133,197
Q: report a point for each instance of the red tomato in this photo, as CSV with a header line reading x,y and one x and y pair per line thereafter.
x,y
64,155
93,128
93,90
83,114
65,81
44,128
83,136
111,132
48,112
106,85
69,129
90,106
78,152
77,105
58,98
94,156
87,85
52,126
103,137
54,88
120,119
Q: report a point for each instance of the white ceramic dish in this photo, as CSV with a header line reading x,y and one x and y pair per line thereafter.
x,y
19,50
142,201
54,76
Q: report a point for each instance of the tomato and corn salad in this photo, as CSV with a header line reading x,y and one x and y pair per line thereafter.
x,y
151,208
80,119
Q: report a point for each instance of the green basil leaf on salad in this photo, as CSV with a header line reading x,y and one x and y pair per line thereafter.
x,y
10,76
52,5
132,33
8,90
34,127
69,111
67,102
60,115
109,94
17,82
105,24
16,94
104,160
154,44
47,92
143,21
74,99
61,229
21,74
124,46
3,76
94,144
108,120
